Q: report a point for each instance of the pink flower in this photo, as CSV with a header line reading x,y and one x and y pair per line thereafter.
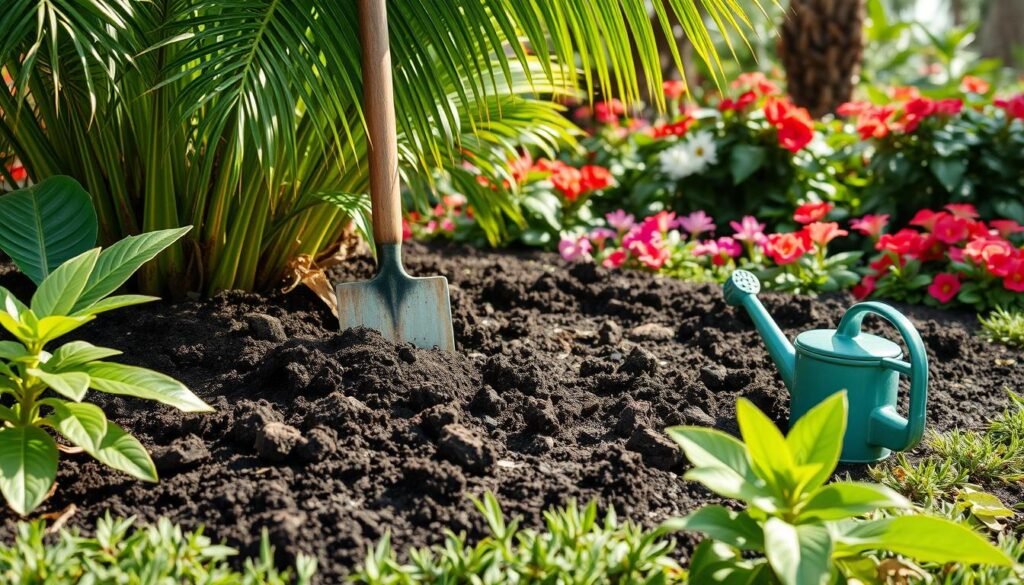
x,y
650,254
821,233
673,88
696,223
599,234
748,229
871,225
615,259
963,210
573,249
620,220
720,250
1014,106
661,222
926,218
905,242
1014,279
810,212
944,287
447,225
990,253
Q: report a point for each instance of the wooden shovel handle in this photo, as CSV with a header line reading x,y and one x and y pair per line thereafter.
x,y
379,105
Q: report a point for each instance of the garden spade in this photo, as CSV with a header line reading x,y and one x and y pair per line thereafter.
x,y
401,307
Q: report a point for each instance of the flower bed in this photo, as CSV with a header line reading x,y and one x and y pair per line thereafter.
x,y
565,377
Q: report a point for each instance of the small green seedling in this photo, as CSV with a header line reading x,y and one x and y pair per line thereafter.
x,y
46,389
1006,327
809,532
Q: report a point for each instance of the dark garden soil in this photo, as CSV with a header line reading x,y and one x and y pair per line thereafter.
x,y
565,378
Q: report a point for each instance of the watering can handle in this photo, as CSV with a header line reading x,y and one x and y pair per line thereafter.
x,y
889,429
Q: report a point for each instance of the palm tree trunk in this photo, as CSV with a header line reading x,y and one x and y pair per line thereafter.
x,y
821,42
1002,32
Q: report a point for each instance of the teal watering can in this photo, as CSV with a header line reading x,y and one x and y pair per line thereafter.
x,y
868,367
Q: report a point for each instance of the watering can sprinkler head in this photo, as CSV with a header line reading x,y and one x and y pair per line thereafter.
x,y
741,284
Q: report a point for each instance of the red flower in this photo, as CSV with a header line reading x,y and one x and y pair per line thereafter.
x,y
406,230
595,177
568,180
864,288
673,129
18,173
757,82
727,105
1014,279
1014,106
874,122
1006,227
905,242
822,233
949,106
914,112
850,109
964,210
930,248
615,259
871,225
608,112
951,229
811,212
673,88
990,253
795,133
786,248
944,287
903,94
972,84
926,218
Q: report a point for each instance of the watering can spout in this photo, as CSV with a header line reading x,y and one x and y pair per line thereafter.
x,y
741,291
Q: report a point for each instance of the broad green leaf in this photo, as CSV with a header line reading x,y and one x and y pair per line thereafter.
x,y
117,263
768,450
6,414
922,538
46,225
736,529
721,463
716,562
948,171
799,555
817,437
12,350
72,385
115,302
49,328
844,500
28,466
744,161
15,328
142,383
85,425
10,304
60,290
76,353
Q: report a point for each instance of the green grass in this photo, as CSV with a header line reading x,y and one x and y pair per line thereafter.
x,y
1006,327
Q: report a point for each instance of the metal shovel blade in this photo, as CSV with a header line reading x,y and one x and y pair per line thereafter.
x,y
402,307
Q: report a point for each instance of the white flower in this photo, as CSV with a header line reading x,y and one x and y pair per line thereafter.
x,y
703,149
677,162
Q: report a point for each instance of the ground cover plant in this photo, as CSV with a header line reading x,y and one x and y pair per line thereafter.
x,y
120,552
1004,326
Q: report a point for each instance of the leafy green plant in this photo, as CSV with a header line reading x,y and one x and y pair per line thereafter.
x,y
809,532
121,553
47,388
242,116
577,547
922,481
983,458
1003,326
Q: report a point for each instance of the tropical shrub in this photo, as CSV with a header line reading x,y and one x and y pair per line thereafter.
x,y
46,227
794,526
924,153
245,118
787,261
946,257
576,547
121,553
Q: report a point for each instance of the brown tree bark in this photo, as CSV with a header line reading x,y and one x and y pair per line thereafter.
x,y
1002,33
821,43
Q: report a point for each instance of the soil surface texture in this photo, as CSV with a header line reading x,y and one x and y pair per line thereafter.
x,y
564,379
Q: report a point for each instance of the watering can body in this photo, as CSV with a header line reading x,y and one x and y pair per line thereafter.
x,y
822,362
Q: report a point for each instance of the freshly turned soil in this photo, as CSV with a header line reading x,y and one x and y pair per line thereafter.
x,y
564,379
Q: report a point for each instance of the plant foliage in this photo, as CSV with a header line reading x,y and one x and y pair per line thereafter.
x,y
47,388
121,553
234,115
576,547
802,530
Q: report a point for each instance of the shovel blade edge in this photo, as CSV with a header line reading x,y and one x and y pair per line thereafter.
x,y
404,309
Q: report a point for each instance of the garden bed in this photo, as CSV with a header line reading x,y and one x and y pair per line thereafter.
x,y
565,377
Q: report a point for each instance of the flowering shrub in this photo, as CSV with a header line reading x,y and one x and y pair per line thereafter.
x,y
921,153
790,261
946,257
